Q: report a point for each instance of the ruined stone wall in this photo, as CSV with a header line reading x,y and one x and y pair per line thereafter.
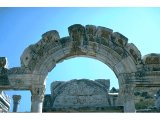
x,y
79,94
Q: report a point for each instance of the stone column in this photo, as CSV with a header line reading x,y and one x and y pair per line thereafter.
x,y
128,98
126,92
16,100
37,98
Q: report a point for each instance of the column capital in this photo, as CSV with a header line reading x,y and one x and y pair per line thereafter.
x,y
37,98
16,98
38,92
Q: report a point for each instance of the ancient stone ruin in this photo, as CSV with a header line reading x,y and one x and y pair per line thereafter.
x,y
81,96
112,48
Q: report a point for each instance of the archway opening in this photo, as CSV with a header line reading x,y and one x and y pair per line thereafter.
x,y
81,68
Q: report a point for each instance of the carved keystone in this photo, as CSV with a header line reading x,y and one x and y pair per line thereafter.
x,y
76,32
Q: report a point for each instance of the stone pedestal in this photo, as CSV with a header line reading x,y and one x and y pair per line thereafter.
x,y
37,98
16,100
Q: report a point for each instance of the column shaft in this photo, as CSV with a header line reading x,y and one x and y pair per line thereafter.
x,y
37,104
37,98
128,96
16,100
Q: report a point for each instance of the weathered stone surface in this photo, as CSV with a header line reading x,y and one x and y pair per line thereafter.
x,y
119,39
19,70
103,32
157,102
86,41
104,82
4,77
90,34
77,34
3,61
103,35
48,102
134,52
37,97
34,52
91,30
79,94
50,36
151,63
38,92
152,58
65,41
3,72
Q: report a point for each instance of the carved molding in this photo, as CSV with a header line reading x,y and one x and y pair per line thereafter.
x,y
19,70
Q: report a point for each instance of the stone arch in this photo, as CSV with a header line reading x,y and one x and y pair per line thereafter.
x,y
112,48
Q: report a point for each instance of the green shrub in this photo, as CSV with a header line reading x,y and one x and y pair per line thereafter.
x,y
144,104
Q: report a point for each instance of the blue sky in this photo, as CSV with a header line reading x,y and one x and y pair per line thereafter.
x,y
20,27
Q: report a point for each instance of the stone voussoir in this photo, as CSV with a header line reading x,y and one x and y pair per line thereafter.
x,y
119,39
